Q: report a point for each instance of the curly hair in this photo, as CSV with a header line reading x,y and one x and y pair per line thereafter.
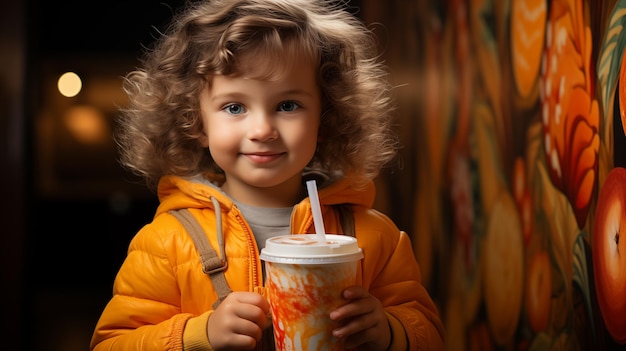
x,y
159,128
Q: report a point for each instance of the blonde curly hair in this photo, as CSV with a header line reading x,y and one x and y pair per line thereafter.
x,y
159,128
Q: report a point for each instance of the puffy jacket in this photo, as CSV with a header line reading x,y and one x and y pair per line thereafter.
x,y
162,299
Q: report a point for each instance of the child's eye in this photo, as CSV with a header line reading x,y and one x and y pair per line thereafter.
x,y
234,109
288,106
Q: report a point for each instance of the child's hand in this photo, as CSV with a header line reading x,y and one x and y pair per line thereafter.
x,y
363,321
238,322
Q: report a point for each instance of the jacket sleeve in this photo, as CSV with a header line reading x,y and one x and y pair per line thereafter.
x,y
391,273
144,312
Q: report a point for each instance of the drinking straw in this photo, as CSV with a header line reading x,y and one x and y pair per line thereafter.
x,y
318,221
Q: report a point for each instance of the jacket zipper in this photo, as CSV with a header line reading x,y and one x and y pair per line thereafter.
x,y
252,253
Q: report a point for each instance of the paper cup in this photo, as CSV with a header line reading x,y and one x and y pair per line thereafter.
x,y
304,282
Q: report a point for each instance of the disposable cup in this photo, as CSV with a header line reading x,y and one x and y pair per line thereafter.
x,y
304,280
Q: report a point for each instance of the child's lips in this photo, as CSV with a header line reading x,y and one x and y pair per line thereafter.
x,y
263,157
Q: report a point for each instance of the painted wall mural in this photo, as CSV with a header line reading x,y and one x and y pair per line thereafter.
x,y
513,117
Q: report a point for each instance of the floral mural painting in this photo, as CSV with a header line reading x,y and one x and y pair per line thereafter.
x,y
517,112
569,110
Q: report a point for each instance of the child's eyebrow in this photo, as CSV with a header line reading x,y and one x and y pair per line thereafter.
x,y
295,92
227,96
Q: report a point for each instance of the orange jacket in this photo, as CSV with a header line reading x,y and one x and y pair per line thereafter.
x,y
162,299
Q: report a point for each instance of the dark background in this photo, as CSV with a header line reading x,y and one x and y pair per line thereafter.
x,y
62,245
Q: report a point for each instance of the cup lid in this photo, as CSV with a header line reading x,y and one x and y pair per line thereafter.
x,y
306,249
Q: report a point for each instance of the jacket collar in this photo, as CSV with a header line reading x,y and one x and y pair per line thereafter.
x,y
196,192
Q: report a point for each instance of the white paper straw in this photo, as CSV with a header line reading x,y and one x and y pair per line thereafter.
x,y
318,221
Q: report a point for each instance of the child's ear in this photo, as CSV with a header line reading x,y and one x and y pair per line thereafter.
x,y
203,139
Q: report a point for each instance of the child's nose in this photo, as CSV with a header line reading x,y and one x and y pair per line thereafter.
x,y
262,127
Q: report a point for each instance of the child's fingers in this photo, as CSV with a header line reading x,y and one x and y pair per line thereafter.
x,y
355,292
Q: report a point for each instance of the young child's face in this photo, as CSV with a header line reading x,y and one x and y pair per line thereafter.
x,y
263,132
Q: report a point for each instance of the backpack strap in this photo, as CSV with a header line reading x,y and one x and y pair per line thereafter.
x,y
346,218
212,264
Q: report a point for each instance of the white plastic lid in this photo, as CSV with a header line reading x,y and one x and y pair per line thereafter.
x,y
305,249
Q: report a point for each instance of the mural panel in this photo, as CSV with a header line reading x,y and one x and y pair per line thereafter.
x,y
513,118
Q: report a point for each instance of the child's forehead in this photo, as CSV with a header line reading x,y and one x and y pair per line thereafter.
x,y
266,64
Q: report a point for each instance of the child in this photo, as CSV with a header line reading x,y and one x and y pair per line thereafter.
x,y
238,104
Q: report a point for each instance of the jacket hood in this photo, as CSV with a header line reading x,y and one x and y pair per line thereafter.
x,y
177,192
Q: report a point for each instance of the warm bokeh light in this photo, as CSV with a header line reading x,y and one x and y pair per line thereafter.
x,y
69,84
87,124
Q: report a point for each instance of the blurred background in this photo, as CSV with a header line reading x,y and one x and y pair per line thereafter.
x,y
68,208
